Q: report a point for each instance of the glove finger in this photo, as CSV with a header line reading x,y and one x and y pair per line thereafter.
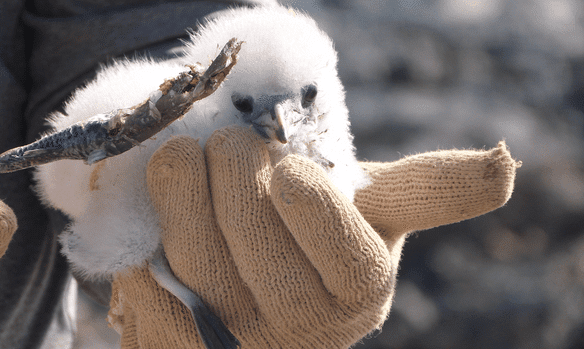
x,y
351,258
8,226
148,316
287,288
431,189
194,245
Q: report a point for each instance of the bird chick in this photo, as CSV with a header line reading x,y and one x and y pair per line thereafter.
x,y
285,86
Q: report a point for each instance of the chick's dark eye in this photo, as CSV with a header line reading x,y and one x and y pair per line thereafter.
x,y
242,103
309,95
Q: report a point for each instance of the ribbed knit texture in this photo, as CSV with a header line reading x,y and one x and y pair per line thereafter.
x,y
318,272
8,226
280,255
436,188
291,263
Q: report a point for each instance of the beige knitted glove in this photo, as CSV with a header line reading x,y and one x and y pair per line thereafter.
x,y
275,272
435,188
7,226
280,255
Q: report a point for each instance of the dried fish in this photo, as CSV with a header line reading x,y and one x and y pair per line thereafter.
x,y
111,134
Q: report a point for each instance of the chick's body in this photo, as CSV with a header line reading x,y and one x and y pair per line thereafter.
x,y
285,86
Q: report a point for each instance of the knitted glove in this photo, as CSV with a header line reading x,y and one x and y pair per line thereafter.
x,y
280,255
435,188
7,226
275,272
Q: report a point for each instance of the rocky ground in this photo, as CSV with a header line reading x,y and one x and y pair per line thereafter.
x,y
428,74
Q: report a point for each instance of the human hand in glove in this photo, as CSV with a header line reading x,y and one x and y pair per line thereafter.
x,y
280,255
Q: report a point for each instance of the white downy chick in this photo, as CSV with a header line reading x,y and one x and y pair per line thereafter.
x,y
285,85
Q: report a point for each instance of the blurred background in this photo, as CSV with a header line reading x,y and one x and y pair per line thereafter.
x,y
423,75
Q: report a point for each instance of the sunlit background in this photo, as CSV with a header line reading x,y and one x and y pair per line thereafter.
x,y
423,75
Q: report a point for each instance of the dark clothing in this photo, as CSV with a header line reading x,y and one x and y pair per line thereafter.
x,y
48,48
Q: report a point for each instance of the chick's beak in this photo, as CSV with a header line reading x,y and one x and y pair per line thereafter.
x,y
278,116
271,123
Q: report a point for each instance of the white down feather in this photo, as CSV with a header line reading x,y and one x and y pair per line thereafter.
x,y
114,226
